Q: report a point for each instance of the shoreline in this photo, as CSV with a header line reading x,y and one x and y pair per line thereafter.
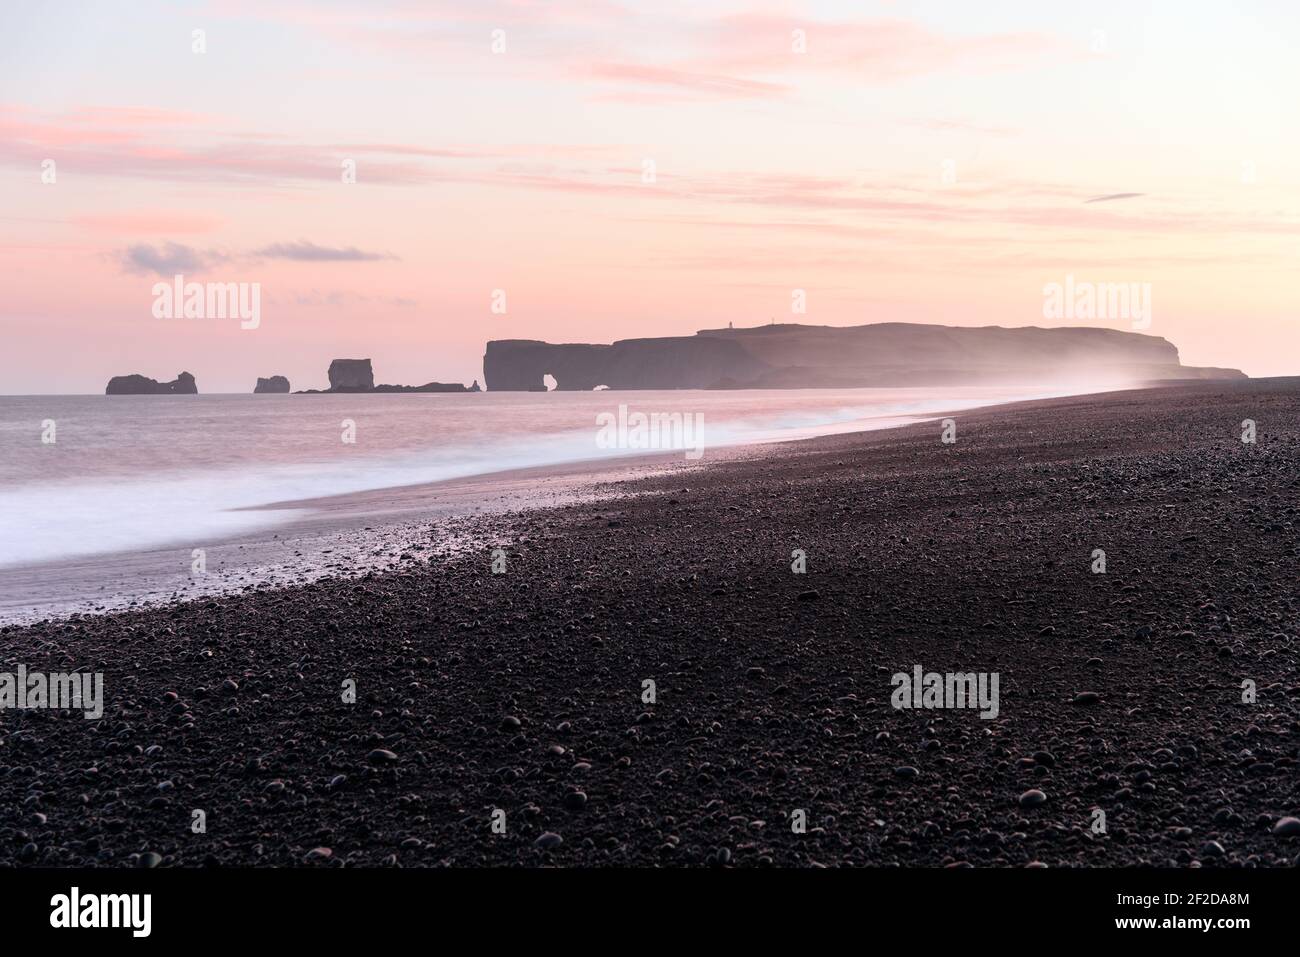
x,y
352,533
368,530
524,691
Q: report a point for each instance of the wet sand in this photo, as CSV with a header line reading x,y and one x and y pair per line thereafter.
x,y
334,536
341,535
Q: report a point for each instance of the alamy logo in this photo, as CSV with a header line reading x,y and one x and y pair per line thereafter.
x,y
102,910
656,430
1098,300
923,689
209,300
73,691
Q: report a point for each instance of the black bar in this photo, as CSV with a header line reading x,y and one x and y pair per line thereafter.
x,y
338,904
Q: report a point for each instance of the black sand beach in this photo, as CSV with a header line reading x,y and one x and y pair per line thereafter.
x,y
522,691
337,536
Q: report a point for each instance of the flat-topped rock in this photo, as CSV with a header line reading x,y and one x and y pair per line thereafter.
x,y
794,356
276,383
351,375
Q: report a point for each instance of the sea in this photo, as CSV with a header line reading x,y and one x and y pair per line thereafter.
x,y
90,475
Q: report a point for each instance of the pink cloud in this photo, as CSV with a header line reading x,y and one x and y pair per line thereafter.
x,y
711,84
753,56
878,50
503,13
99,149
83,147
134,116
82,144
744,56
39,134
1008,204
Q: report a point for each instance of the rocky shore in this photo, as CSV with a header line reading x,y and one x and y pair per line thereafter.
x,y
647,681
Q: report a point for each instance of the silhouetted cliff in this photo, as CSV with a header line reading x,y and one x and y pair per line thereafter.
x,y
791,356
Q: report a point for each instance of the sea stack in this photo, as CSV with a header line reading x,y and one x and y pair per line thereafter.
x,y
277,383
137,384
351,375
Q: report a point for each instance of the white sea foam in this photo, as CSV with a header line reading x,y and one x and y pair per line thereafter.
x,y
135,472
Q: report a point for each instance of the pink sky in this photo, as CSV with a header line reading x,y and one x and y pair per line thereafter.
x,y
917,161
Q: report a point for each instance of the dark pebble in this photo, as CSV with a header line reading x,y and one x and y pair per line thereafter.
x,y
1287,827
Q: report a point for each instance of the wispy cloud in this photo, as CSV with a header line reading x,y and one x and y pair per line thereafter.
x,y
709,84
343,297
306,251
168,259
1113,196
737,56
135,116
163,152
167,148
753,56
146,223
